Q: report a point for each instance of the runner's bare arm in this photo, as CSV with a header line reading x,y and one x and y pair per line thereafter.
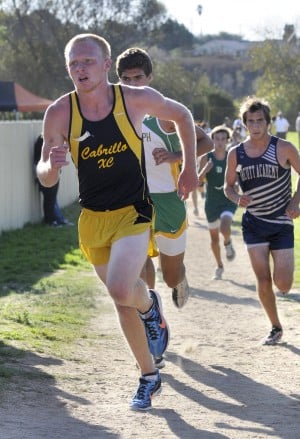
x,y
230,178
54,150
289,154
146,100
204,142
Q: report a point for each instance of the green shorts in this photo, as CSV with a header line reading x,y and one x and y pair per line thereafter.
x,y
214,209
170,214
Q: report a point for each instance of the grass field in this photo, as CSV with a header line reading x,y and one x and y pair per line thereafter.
x,y
47,289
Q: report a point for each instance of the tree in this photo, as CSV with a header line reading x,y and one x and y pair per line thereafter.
x,y
33,51
279,65
289,34
178,36
33,35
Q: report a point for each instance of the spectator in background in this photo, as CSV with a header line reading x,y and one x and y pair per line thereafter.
x,y
227,122
205,126
236,138
281,126
52,214
239,126
297,127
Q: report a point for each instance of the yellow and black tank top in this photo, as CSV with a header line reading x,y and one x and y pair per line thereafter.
x,y
109,157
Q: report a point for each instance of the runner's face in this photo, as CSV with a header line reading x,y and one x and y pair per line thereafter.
x,y
135,77
256,123
87,65
220,140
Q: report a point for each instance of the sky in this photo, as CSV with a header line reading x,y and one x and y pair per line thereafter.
x,y
254,20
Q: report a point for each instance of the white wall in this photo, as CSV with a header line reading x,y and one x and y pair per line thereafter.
x,y
20,200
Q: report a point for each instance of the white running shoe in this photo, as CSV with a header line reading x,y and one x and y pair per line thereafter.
x,y
274,336
230,252
180,293
218,273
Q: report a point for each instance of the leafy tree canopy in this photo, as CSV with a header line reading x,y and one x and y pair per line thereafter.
x,y
33,34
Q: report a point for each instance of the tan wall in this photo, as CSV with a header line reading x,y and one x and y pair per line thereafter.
x,y
20,200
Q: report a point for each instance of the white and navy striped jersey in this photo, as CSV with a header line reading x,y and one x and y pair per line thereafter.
x,y
266,181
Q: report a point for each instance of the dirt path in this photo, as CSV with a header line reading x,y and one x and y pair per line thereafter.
x,y
219,382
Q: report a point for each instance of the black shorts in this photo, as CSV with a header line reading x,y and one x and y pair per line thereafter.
x,y
277,235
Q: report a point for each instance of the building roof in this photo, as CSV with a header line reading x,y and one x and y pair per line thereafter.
x,y
224,47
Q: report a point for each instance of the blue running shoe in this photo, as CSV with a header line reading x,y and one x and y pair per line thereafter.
x,y
146,390
157,330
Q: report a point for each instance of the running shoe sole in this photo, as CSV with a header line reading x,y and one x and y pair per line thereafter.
x,y
159,362
181,293
163,324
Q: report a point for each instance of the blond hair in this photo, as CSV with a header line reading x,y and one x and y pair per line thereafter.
x,y
100,41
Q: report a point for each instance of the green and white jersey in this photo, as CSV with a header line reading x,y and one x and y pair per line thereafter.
x,y
170,217
161,178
